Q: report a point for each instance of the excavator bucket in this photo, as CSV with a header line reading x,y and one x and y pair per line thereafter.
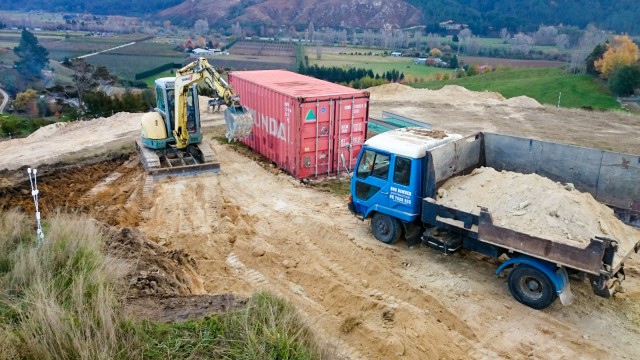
x,y
239,122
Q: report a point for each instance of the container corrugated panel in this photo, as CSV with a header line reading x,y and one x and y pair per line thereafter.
x,y
307,127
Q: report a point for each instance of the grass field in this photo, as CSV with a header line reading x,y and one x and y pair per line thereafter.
x,y
378,63
126,66
542,84
501,44
150,80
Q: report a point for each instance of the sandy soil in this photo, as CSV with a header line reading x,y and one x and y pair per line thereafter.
x,y
538,206
467,112
251,228
72,140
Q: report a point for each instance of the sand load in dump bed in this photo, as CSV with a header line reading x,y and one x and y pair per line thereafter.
x,y
537,206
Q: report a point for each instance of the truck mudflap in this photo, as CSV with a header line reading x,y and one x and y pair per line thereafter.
x,y
606,286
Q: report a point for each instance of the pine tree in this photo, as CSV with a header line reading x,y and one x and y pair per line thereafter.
x,y
454,62
595,55
33,56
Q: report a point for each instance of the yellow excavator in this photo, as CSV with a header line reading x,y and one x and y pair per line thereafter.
x,y
171,142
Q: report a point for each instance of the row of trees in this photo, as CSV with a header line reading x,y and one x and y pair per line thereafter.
x,y
357,78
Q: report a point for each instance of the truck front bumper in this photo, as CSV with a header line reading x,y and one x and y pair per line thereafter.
x,y
352,207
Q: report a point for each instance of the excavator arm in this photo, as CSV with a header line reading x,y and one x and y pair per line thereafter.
x,y
239,121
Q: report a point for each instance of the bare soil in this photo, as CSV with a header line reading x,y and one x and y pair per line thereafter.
x,y
537,206
253,228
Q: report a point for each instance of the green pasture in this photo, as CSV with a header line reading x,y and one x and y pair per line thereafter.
x,y
126,66
151,79
542,84
377,63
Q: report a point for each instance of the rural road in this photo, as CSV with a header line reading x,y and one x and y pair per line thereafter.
x,y
102,51
5,100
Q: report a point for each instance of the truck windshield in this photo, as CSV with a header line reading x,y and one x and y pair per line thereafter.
x,y
373,164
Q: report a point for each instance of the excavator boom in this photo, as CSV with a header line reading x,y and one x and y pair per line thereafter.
x,y
238,120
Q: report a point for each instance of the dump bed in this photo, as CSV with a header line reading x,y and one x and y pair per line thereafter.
x,y
611,178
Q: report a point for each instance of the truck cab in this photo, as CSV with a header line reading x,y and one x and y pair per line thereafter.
x,y
392,177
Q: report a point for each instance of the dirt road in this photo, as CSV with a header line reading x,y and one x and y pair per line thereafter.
x,y
411,303
251,228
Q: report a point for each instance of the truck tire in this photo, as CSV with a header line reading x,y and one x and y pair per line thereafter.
x,y
531,287
386,228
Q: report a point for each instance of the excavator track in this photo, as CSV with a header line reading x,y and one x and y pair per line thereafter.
x,y
194,160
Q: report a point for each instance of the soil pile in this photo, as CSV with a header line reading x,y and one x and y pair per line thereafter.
x,y
449,94
523,102
537,206
82,138
155,269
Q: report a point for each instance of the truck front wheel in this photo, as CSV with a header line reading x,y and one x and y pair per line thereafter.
x,y
531,287
386,228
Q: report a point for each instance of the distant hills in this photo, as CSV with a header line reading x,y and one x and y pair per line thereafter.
x,y
483,16
101,7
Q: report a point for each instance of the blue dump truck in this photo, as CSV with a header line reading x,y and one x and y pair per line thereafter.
x,y
399,173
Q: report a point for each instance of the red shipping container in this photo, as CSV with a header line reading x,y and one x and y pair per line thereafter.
x,y
307,127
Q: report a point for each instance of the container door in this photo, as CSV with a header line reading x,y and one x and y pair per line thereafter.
x,y
317,120
349,132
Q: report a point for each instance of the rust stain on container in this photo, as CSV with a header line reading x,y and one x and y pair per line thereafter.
x,y
308,127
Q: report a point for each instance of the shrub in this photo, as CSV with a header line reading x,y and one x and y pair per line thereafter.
x,y
625,80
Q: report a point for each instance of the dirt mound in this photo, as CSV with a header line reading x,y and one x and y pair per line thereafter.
x,y
523,102
449,94
156,270
459,92
48,130
389,89
537,206
66,140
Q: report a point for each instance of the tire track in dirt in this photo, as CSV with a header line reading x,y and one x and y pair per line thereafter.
x,y
325,270
475,296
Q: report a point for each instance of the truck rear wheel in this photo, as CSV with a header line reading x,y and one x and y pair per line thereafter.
x,y
531,287
386,228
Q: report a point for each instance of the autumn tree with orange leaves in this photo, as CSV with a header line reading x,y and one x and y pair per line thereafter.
x,y
620,53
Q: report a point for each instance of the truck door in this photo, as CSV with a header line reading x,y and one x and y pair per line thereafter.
x,y
402,195
371,187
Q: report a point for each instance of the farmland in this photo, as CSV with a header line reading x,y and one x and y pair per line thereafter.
x,y
511,63
340,57
542,84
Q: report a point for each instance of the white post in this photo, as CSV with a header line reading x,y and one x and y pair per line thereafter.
x,y
559,95
34,192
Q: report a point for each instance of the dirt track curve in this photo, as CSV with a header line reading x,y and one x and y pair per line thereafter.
x,y
252,228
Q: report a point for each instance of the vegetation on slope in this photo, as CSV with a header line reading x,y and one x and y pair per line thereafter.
x,y
57,300
543,84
